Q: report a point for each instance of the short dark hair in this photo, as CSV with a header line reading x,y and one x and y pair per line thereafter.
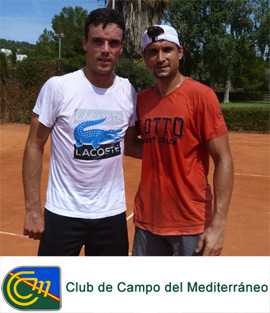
x,y
104,16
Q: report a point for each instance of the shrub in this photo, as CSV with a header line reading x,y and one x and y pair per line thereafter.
x,y
36,72
247,120
242,96
3,68
18,98
137,74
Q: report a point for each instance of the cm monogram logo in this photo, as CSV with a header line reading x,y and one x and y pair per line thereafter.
x,y
33,288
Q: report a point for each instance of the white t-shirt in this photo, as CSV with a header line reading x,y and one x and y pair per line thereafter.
x,y
88,125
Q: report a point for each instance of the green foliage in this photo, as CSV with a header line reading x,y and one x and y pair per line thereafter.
x,y
46,46
27,73
23,47
18,99
262,28
247,120
3,68
242,96
220,37
36,72
246,105
137,74
73,64
13,57
70,22
186,18
253,78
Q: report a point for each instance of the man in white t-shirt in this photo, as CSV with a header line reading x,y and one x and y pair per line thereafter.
x,y
88,113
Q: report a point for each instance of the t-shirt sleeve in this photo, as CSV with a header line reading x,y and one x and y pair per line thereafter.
x,y
210,121
48,101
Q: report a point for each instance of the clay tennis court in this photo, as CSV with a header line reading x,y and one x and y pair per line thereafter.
x,y
248,227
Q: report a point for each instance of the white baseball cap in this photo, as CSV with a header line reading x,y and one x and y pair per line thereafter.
x,y
160,32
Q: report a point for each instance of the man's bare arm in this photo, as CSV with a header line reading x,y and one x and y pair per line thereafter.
x,y
213,237
32,170
133,144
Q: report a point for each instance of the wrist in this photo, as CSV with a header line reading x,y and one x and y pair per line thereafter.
x,y
219,221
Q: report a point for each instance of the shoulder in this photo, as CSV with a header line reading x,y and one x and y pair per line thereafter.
x,y
55,86
56,81
196,87
146,93
126,86
70,77
67,83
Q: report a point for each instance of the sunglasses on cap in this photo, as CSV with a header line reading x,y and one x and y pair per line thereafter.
x,y
154,31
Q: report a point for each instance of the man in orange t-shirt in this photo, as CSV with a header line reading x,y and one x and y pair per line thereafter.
x,y
180,124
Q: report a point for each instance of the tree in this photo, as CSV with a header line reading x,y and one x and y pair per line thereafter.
x,y
70,21
187,18
46,45
217,36
253,77
14,57
139,15
240,25
262,28
136,72
22,46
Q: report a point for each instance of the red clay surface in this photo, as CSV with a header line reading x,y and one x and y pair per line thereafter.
x,y
247,232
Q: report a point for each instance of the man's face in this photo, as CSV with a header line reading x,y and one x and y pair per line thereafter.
x,y
162,58
103,48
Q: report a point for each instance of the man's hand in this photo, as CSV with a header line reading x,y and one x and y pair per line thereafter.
x,y
34,225
212,239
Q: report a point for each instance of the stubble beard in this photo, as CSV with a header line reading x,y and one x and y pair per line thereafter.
x,y
161,75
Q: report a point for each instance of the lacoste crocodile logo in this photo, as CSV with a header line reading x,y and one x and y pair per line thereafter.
x,y
95,137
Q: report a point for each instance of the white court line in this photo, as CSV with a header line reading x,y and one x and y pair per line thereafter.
x,y
130,216
251,175
250,142
11,234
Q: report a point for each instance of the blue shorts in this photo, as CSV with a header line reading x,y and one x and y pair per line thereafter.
x,y
148,244
65,236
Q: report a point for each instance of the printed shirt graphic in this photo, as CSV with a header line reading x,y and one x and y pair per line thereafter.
x,y
87,143
174,196
33,288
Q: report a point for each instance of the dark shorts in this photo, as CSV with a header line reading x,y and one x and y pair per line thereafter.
x,y
148,244
65,236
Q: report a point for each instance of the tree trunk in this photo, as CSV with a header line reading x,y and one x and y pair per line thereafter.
x,y
139,15
227,90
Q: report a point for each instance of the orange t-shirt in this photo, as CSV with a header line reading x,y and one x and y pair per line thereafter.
x,y
174,197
